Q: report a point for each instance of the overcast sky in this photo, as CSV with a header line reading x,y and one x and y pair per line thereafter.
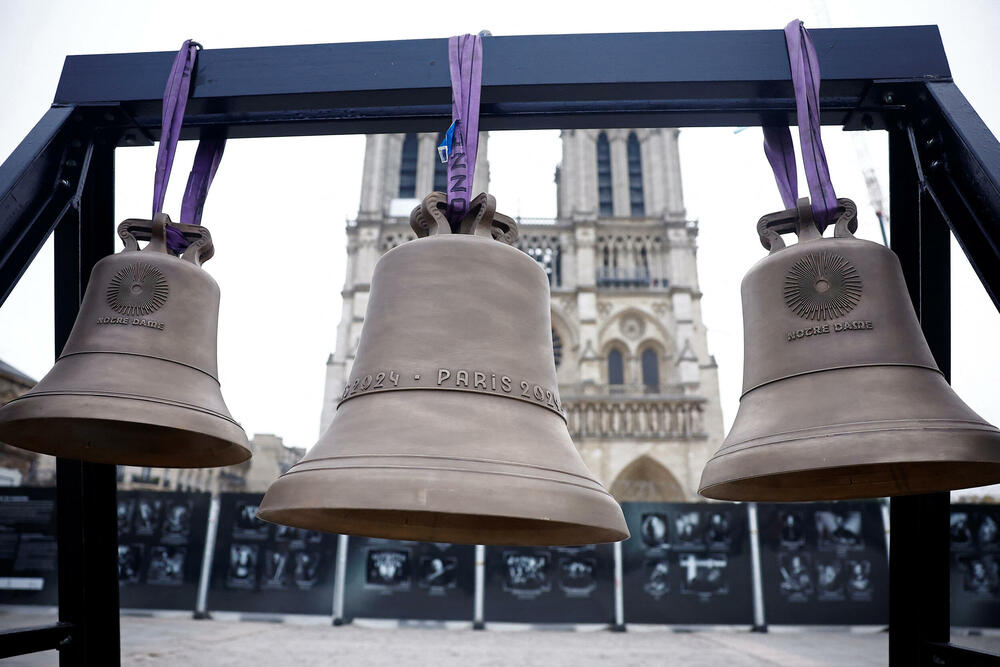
x,y
278,206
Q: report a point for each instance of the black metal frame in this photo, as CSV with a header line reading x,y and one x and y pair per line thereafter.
x,y
944,171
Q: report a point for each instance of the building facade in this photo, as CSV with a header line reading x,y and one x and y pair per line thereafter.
x,y
271,459
636,379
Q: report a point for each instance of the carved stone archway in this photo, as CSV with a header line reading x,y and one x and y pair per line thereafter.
x,y
645,480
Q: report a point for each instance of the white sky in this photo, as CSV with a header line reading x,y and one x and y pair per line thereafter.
x,y
278,206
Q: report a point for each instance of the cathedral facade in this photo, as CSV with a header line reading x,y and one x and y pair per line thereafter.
x,y
636,379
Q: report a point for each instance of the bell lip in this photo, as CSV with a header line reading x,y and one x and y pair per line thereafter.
x,y
294,517
65,428
893,475
290,500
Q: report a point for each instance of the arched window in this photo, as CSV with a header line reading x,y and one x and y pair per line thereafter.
x,y
616,367
440,168
408,168
650,371
638,207
556,348
604,176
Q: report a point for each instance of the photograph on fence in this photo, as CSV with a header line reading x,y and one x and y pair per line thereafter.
x,y
267,568
686,563
409,580
824,563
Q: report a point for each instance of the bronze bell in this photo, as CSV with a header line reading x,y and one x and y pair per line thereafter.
x,y
841,396
136,383
450,428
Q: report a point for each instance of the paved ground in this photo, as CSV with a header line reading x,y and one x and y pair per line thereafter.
x,y
180,641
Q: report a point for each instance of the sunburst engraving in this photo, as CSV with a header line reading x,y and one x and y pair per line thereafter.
x,y
822,286
137,289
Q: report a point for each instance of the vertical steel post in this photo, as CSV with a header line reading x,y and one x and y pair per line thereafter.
x,y
478,620
918,574
86,492
759,621
201,606
339,578
619,625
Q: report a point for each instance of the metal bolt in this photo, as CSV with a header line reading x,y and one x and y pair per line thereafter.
x,y
64,182
888,98
930,143
935,164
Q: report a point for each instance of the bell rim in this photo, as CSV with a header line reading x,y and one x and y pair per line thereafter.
x,y
899,465
60,430
338,507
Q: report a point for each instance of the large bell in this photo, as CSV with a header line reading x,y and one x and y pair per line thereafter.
x,y
841,396
450,428
136,383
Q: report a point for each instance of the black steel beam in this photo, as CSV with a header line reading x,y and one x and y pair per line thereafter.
x,y
86,492
33,640
960,159
919,613
529,82
32,197
960,656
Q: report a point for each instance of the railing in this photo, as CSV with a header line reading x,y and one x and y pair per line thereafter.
x,y
627,278
635,417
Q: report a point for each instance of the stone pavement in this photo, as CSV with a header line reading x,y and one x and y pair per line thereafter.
x,y
181,641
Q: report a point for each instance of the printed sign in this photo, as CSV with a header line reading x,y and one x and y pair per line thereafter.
x,y
975,566
263,567
824,563
28,553
161,542
686,563
549,584
409,580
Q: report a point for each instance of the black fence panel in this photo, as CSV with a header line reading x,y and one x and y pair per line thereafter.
x,y
28,554
824,563
550,584
975,566
161,543
687,563
262,567
409,580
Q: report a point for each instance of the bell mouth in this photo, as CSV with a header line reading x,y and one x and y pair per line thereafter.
x,y
451,527
124,443
856,482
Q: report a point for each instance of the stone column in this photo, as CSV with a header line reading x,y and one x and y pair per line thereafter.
x,y
373,178
426,157
675,190
586,302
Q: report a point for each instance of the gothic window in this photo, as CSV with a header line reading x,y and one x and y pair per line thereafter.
x,y
638,207
557,348
650,371
604,176
616,367
440,168
408,168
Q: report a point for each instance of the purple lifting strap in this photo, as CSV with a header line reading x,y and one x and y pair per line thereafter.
x,y
206,160
778,140
465,56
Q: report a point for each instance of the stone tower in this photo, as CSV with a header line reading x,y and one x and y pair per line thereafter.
x,y
638,384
